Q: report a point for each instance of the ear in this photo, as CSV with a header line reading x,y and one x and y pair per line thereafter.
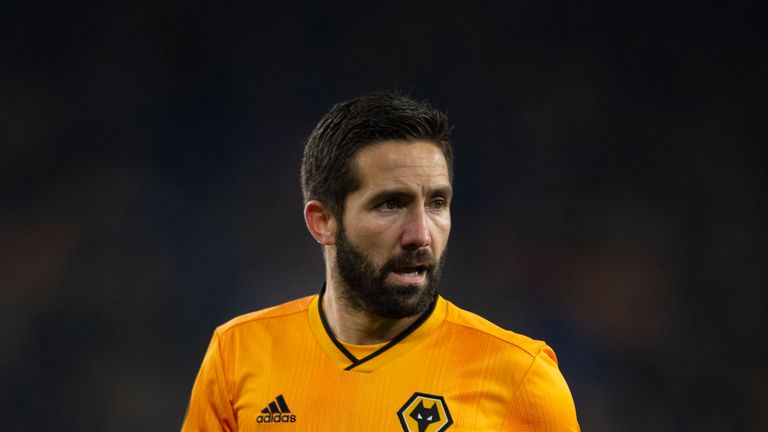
x,y
320,222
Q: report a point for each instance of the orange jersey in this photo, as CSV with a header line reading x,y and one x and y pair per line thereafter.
x,y
281,369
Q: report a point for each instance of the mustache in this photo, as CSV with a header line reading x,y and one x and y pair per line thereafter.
x,y
419,257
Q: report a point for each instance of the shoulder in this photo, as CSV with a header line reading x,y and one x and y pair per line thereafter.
x,y
540,396
283,311
483,329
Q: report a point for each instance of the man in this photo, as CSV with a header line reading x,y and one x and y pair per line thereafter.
x,y
377,349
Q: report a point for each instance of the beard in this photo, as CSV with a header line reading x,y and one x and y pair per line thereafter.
x,y
364,286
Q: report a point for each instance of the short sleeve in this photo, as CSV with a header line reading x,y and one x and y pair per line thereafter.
x,y
210,407
542,401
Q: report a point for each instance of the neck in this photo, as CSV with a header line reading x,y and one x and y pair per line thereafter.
x,y
352,325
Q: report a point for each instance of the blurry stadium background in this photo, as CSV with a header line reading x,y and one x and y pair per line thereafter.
x,y
609,177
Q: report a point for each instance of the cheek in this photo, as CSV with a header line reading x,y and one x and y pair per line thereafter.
x,y
376,239
383,241
442,229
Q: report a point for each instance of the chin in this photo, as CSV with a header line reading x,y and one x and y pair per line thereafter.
x,y
406,290
403,301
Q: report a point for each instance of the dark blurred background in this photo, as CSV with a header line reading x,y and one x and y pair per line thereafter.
x,y
609,177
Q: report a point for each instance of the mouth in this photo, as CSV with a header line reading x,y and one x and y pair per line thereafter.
x,y
410,274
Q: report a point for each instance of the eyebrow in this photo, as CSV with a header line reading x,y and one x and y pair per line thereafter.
x,y
444,191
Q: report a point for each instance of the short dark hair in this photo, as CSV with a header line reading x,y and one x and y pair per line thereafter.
x,y
327,174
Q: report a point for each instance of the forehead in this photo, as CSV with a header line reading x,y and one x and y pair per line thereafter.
x,y
389,162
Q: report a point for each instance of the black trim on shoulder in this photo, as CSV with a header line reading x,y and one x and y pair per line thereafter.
x,y
357,362
327,328
411,328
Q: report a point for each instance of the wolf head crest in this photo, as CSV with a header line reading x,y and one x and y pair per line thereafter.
x,y
425,413
425,416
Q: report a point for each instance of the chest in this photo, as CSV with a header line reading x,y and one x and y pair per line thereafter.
x,y
427,390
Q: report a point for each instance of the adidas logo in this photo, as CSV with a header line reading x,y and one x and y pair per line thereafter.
x,y
276,412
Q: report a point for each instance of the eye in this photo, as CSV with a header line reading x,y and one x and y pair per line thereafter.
x,y
438,203
390,204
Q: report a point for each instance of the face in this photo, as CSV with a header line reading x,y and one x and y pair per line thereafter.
x,y
392,238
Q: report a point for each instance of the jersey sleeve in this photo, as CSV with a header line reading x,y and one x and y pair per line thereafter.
x,y
542,402
210,407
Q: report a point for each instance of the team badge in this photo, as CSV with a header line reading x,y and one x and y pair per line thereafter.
x,y
425,413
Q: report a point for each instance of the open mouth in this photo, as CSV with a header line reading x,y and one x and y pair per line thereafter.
x,y
417,271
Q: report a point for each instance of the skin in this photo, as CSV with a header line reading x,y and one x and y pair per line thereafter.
x,y
403,203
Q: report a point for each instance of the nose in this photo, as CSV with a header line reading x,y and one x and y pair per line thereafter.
x,y
416,233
